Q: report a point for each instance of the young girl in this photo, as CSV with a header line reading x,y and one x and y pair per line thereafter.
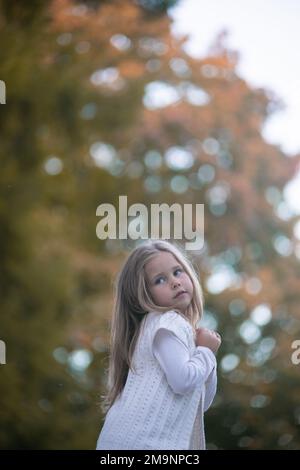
x,y
162,371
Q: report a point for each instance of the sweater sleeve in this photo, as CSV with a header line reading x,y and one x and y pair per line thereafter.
x,y
185,373
210,389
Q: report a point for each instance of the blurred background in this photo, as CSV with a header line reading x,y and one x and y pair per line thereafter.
x,y
125,97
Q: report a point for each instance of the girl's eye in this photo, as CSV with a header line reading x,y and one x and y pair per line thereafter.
x,y
158,280
178,271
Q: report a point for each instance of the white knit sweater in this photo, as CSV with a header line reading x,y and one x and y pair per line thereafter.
x,y
149,414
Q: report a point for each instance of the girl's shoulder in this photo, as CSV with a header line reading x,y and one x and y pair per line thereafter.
x,y
170,320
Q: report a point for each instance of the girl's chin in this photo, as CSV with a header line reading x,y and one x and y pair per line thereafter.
x,y
182,303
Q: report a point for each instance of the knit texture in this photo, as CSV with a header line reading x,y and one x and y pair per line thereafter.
x,y
148,414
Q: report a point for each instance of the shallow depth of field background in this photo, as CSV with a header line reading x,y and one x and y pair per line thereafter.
x,y
102,100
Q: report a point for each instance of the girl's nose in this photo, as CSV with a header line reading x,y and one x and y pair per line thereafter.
x,y
176,283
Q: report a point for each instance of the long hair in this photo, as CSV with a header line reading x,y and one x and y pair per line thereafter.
x,y
132,303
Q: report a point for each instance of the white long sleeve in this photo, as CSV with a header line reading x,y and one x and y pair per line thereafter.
x,y
185,373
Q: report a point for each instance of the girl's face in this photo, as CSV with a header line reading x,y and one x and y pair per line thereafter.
x,y
169,284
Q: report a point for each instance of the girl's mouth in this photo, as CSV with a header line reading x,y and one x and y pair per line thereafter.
x,y
180,294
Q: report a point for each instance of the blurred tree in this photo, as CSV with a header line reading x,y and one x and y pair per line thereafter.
x,y
103,101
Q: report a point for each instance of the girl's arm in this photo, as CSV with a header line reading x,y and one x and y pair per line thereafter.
x,y
183,373
210,389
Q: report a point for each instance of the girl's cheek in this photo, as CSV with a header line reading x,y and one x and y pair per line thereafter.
x,y
187,279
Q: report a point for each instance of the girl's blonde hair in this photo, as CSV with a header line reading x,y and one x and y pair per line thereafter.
x,y
132,303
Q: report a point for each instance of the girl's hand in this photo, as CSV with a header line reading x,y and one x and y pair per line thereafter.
x,y
208,338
